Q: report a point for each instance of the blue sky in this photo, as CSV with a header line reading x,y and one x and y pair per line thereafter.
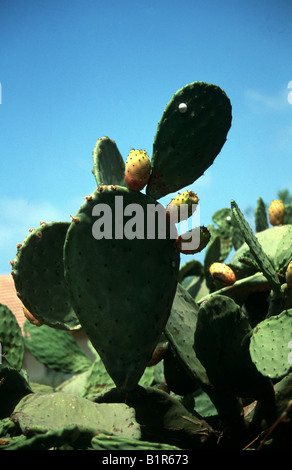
x,y
74,71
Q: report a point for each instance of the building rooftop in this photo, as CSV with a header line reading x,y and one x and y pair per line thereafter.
x,y
9,297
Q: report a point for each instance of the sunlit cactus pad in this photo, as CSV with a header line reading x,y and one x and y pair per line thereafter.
x,y
271,345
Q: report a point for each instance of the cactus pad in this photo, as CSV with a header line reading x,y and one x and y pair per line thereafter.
x,y
122,289
106,442
39,413
186,143
11,341
270,345
108,163
56,349
221,342
180,330
38,275
274,241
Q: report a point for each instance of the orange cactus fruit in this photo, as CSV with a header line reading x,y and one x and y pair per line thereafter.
x,y
30,317
188,200
276,212
288,275
137,169
222,273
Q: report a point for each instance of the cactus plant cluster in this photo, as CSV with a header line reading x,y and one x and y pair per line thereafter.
x,y
185,357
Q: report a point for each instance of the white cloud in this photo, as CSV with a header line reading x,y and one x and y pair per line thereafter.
x,y
262,102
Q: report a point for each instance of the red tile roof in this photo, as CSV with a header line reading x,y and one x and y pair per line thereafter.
x,y
9,297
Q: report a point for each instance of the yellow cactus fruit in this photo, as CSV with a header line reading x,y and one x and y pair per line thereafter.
x,y
276,212
137,169
188,199
222,273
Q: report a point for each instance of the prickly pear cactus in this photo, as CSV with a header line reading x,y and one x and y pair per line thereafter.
x,y
104,273
121,289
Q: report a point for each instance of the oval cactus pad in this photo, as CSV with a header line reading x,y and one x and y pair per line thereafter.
x,y
189,136
38,275
122,289
271,345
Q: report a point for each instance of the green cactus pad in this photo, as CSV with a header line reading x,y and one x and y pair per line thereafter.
x,y
241,289
261,257
261,216
122,289
56,349
283,254
7,428
69,435
272,242
75,385
283,390
96,381
190,268
39,413
271,345
38,275
223,218
176,376
288,214
221,342
11,340
108,163
106,442
186,143
180,330
13,387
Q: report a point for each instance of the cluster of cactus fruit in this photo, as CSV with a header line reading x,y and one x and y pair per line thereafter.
x,y
186,357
